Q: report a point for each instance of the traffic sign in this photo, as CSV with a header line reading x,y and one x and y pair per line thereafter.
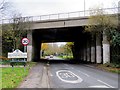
x,y
25,41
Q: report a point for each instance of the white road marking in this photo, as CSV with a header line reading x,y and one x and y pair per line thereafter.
x,y
44,67
65,76
72,68
66,65
84,73
79,71
51,75
99,86
106,84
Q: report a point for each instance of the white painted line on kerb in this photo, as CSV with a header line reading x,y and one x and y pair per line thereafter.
x,y
84,73
106,84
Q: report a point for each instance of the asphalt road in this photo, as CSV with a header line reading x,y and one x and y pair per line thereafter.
x,y
63,75
53,58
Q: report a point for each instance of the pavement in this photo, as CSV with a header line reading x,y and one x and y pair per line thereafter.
x,y
1,66
38,77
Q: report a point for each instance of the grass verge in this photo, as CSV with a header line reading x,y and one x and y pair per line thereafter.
x,y
110,69
12,77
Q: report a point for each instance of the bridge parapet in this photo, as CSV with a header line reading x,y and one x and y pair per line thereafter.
x,y
63,15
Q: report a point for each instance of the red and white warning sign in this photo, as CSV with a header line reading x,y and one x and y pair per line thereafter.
x,y
25,41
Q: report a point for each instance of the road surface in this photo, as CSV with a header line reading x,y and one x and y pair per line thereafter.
x,y
80,76
53,58
64,75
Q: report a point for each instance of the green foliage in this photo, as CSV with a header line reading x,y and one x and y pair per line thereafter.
x,y
106,25
115,37
113,65
68,47
99,22
12,77
13,33
7,41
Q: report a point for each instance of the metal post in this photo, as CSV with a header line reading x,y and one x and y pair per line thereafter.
x,y
84,7
25,47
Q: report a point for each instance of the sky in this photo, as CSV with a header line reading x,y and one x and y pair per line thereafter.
x,y
43,7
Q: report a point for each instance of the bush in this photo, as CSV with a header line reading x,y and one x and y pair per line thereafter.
x,y
114,65
4,60
115,58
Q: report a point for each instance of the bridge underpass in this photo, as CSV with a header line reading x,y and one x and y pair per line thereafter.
x,y
63,28
74,34
85,48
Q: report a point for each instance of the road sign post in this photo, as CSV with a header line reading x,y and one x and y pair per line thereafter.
x,y
25,42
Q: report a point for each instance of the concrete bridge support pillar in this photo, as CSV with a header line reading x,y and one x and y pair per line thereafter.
x,y
37,45
93,50
29,46
76,52
84,54
88,51
98,49
106,49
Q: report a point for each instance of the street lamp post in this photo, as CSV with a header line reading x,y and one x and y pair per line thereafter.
x,y
84,7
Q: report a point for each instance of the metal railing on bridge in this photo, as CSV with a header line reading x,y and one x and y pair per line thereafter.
x,y
58,16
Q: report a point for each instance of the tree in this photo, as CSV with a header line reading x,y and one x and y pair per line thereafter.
x,y
14,32
19,26
44,46
3,7
69,47
102,24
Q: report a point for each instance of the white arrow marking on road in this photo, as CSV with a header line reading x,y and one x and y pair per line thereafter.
x,y
66,75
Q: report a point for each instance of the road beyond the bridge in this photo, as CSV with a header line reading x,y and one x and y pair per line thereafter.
x,y
63,75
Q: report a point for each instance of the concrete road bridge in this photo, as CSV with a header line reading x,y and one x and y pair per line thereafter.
x,y
67,27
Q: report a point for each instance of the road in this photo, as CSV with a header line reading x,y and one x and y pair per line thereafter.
x,y
53,58
64,75
80,76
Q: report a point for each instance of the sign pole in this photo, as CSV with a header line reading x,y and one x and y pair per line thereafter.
x,y
25,42
25,47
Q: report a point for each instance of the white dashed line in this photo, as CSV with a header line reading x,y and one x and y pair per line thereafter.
x,y
65,64
72,68
99,86
106,84
84,73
